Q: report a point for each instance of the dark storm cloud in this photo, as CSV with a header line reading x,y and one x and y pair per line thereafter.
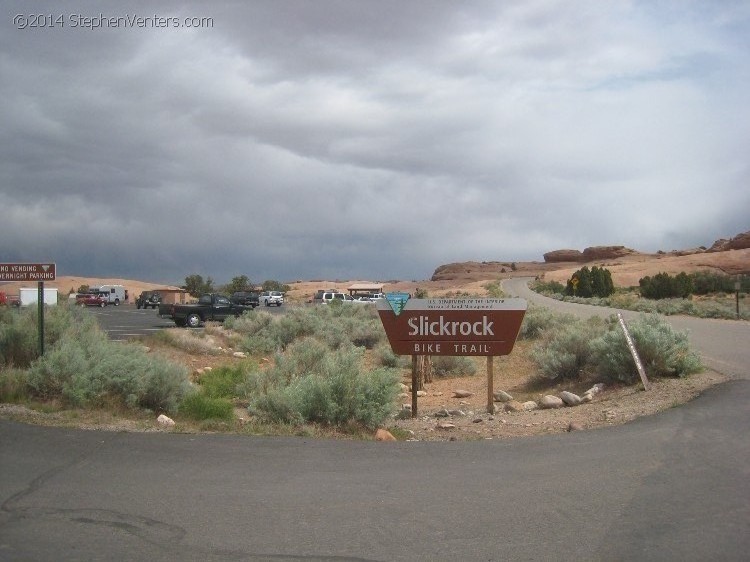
x,y
353,139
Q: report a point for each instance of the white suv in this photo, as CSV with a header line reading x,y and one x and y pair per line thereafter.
x,y
269,298
343,297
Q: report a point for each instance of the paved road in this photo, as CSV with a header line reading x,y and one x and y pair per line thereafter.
x,y
675,486
723,344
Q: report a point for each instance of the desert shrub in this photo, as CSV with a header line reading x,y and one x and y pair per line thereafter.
x,y
86,369
538,319
225,381
198,406
449,366
196,342
385,357
494,290
12,385
19,335
663,285
19,344
313,383
549,287
662,350
565,352
336,324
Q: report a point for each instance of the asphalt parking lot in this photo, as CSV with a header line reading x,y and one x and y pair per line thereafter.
x,y
125,322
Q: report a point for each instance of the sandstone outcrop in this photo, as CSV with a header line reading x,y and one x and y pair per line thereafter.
x,y
557,256
739,242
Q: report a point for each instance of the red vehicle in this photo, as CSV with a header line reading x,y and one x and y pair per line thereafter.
x,y
92,299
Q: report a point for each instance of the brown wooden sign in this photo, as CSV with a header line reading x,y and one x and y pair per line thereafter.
x,y
468,326
27,271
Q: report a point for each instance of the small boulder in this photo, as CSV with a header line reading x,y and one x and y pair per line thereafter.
x,y
550,401
462,394
165,421
513,406
530,405
569,398
446,425
501,396
384,435
239,354
574,426
421,393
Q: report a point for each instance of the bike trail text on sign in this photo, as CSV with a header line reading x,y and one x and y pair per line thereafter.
x,y
454,327
27,271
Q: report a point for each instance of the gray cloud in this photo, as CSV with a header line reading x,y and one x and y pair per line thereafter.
x,y
339,139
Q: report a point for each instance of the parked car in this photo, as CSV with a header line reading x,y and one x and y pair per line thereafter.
x,y
341,297
92,299
210,306
269,298
245,298
148,298
318,297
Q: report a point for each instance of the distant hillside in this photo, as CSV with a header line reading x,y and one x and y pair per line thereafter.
x,y
730,256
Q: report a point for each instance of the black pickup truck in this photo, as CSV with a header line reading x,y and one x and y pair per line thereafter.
x,y
209,307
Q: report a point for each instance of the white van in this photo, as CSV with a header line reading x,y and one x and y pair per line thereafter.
x,y
115,293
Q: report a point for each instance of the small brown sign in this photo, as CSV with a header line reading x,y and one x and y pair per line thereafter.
x,y
27,271
483,327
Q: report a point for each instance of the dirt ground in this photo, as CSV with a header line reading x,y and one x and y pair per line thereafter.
x,y
470,419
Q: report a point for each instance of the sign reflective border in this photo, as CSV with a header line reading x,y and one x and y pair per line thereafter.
x,y
485,327
27,271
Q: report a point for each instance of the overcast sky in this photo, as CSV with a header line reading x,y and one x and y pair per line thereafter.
x,y
345,139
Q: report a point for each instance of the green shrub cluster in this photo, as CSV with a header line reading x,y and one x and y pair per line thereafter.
x,y
663,286
336,324
596,282
577,348
459,366
81,366
682,285
198,406
311,382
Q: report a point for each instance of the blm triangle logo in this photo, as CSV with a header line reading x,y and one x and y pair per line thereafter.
x,y
397,301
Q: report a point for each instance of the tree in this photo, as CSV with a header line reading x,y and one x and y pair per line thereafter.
x,y
272,285
237,284
83,289
195,285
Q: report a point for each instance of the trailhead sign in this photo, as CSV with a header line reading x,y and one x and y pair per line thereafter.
x,y
451,326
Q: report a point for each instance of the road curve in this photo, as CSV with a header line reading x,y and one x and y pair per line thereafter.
x,y
674,486
724,345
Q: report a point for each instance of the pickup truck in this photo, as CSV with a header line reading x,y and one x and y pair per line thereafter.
x,y
209,307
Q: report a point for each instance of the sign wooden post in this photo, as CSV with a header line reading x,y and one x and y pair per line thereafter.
x,y
490,384
633,352
414,384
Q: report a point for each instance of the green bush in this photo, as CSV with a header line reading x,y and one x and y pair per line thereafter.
x,y
663,352
224,381
199,407
85,369
385,357
336,324
539,319
565,352
313,383
449,366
